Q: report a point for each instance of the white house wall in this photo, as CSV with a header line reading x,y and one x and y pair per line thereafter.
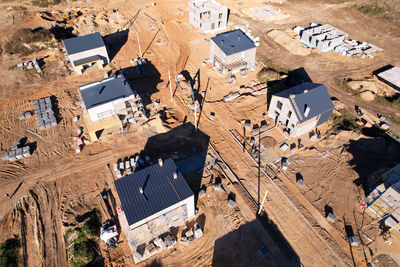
x,y
114,107
248,55
305,127
189,202
100,51
93,112
214,23
283,112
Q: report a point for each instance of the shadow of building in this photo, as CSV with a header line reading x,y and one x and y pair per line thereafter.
x,y
372,156
246,247
144,81
115,41
187,146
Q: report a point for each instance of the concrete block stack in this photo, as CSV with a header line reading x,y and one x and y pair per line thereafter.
x,y
17,151
25,115
44,113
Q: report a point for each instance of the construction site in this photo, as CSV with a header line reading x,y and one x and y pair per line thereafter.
x,y
198,133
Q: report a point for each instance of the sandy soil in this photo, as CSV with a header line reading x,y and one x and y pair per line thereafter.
x,y
48,188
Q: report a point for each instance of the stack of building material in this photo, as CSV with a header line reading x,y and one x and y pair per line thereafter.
x,y
44,113
169,240
354,241
17,152
25,115
331,217
197,230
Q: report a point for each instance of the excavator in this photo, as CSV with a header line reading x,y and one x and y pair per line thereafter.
x,y
66,18
71,15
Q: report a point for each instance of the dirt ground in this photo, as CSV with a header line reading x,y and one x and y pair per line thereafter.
x,y
54,186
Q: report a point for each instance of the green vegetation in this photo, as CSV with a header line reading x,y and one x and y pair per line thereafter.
x,y
346,121
266,75
45,3
9,253
84,249
271,71
342,84
84,239
269,63
21,8
393,101
388,10
27,41
371,10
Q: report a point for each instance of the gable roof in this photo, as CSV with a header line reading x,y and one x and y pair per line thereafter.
x,y
160,189
233,42
107,90
83,43
316,98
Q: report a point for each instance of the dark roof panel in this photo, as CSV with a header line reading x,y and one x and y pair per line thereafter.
x,y
104,91
233,42
86,60
316,98
160,191
83,43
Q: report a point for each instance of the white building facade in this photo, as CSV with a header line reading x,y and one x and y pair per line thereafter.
x,y
208,15
301,109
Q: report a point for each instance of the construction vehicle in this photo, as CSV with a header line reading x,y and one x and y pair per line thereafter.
x,y
71,15
60,18
186,87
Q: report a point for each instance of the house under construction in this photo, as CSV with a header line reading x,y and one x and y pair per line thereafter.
x,y
384,200
154,200
85,51
109,105
232,51
208,15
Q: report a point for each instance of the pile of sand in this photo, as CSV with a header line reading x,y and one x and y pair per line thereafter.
x,y
290,44
105,23
368,95
374,87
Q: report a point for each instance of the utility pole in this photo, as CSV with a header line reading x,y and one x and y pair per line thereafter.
x,y
262,203
195,114
140,49
170,86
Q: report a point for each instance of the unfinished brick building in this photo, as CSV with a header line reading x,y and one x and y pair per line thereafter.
x,y
208,15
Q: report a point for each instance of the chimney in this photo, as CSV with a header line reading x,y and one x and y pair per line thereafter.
x,y
306,91
160,161
175,176
292,95
141,190
306,111
238,38
222,42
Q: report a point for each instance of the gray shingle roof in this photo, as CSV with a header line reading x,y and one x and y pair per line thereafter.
x,y
233,42
160,189
317,99
104,91
83,43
